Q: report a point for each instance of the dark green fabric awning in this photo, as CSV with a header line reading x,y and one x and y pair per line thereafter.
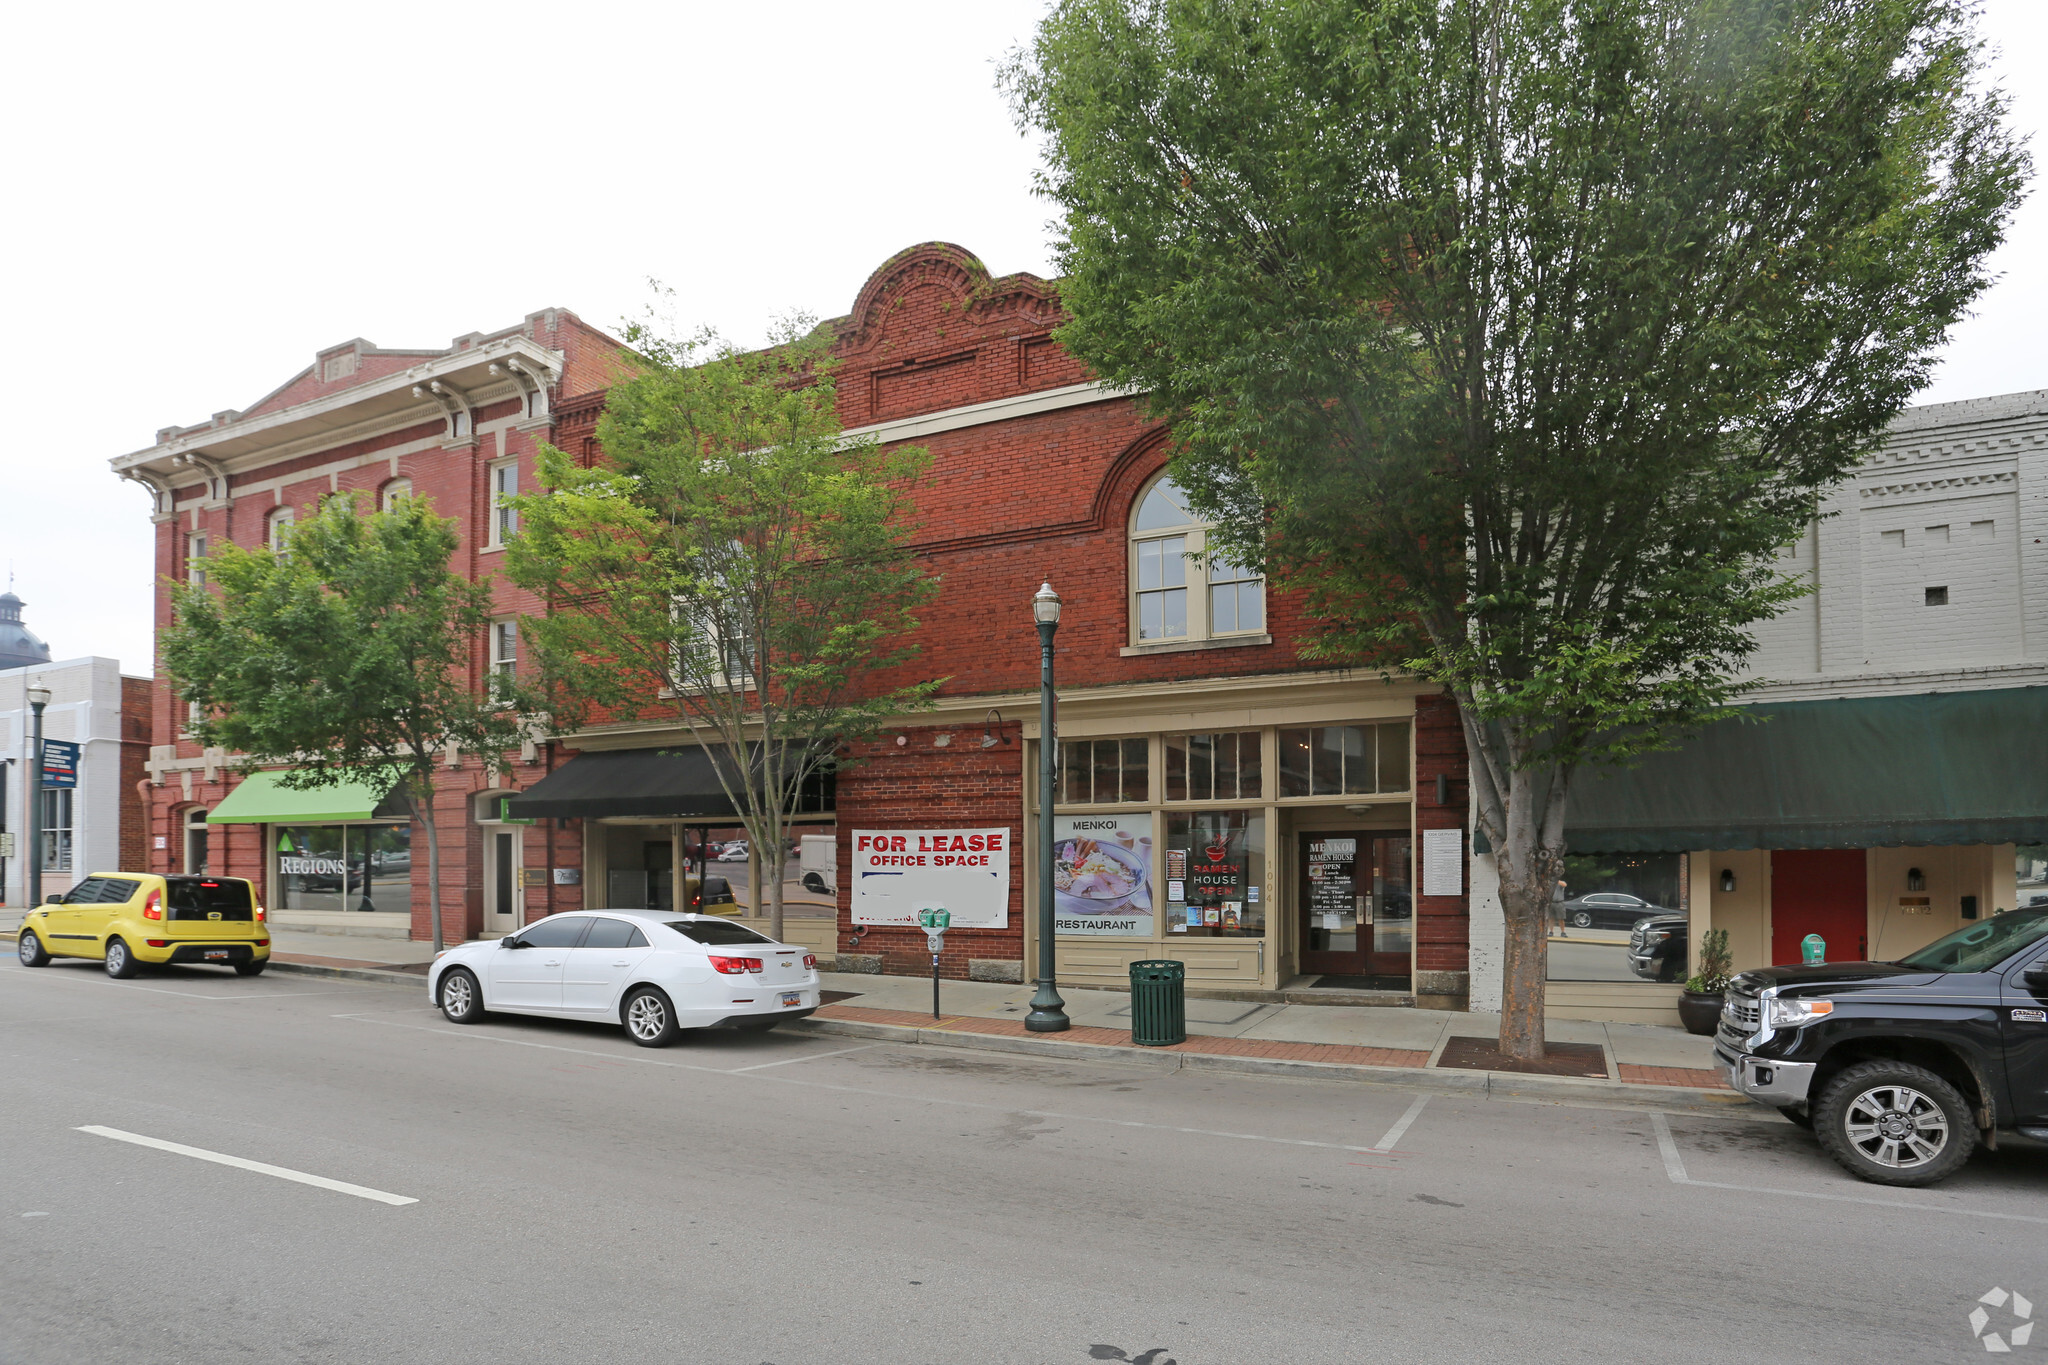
x,y
1859,772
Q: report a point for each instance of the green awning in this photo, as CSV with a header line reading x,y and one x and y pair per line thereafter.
x,y
1858,772
263,799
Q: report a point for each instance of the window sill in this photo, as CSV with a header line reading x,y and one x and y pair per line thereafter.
x,y
1182,646
491,549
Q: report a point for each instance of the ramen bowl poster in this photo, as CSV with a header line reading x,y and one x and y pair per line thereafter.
x,y
1102,875
898,872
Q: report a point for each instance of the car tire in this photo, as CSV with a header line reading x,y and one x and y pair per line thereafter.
x,y
31,950
1893,1123
1582,919
461,997
251,968
649,1017
121,963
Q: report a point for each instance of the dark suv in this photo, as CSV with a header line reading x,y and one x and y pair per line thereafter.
x,y
1899,1068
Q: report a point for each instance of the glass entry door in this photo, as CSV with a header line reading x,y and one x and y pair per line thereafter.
x,y
1356,912
502,896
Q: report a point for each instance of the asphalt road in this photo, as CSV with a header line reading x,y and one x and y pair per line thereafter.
x,y
823,1201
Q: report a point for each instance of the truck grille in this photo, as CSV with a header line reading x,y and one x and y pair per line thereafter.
x,y
1743,1011
1635,939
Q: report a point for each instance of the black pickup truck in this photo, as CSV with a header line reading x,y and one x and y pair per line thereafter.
x,y
1901,1068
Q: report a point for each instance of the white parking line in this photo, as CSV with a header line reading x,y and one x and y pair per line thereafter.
x,y
1386,1144
261,1168
812,1057
470,1036
1674,1166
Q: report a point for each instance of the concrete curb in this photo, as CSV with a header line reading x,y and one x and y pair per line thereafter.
x,y
1587,1092
370,974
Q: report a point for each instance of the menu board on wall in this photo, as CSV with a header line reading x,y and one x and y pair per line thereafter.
x,y
1102,875
1332,877
1443,862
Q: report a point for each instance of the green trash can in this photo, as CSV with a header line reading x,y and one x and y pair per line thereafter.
x,y
1159,1003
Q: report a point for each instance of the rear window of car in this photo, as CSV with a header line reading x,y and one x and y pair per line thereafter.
x,y
716,933
613,933
199,897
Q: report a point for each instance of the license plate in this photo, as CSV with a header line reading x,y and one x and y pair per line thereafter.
x,y
216,955
791,999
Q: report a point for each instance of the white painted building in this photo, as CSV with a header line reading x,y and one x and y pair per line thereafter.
x,y
85,826
1930,576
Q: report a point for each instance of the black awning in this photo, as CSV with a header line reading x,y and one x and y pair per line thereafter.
x,y
676,782
1858,772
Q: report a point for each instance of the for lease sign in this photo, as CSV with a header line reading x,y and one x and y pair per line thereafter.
x,y
898,872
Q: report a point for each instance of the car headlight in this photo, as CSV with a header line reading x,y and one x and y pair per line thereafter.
x,y
1656,935
1794,1013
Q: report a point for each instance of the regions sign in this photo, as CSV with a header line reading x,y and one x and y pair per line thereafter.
x,y
898,872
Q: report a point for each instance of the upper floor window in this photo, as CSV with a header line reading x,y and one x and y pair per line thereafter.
x,y
195,560
277,529
504,517
388,496
1177,594
505,647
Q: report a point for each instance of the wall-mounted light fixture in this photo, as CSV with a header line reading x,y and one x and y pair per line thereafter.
x,y
1727,879
1916,880
989,723
1443,789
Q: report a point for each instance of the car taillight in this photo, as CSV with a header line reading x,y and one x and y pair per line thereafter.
x,y
153,908
262,943
734,966
158,942
810,961
259,914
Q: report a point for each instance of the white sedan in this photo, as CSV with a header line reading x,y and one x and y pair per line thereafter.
x,y
654,971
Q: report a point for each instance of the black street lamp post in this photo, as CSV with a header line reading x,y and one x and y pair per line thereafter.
x,y
38,698
1048,1011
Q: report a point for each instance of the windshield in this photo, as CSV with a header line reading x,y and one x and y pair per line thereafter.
x,y
1980,947
717,933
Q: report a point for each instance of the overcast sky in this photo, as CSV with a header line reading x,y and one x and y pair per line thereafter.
x,y
204,195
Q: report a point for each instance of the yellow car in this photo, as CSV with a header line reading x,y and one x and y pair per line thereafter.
x,y
130,920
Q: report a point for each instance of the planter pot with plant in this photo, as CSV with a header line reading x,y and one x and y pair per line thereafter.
x,y
1699,1008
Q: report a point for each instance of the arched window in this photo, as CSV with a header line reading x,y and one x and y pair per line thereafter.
x,y
277,529
1175,596
388,496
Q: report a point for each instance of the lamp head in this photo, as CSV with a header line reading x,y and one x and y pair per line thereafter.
x,y
1045,606
39,696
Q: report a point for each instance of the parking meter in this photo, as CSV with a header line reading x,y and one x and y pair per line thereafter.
x,y
934,920
1813,948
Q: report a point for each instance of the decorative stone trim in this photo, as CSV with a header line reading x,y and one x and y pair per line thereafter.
x,y
1005,969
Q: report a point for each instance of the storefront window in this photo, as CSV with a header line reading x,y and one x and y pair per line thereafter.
x,y
364,868
1344,760
1102,875
2030,868
1594,912
1215,873
1224,767
1095,772
57,806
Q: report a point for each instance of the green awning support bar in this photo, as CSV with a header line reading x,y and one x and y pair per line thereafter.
x,y
263,799
1856,772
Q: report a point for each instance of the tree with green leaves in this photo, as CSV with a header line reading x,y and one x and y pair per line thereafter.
x,y
1520,334
734,562
347,654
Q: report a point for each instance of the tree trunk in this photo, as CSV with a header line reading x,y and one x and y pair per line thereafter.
x,y
775,859
425,810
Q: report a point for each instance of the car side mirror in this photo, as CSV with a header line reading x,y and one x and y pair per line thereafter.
x,y
510,941
54,898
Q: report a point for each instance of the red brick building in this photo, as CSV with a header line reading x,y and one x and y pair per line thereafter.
x,y
1190,722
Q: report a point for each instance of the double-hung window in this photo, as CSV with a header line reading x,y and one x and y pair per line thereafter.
x,y
1179,593
504,516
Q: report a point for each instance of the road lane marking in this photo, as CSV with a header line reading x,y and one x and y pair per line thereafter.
x,y
1674,1166
243,1163
1386,1144
871,1092
812,1057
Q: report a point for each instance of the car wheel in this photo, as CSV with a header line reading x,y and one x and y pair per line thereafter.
x,y
1895,1124
1582,919
31,950
121,963
251,968
462,999
649,1018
